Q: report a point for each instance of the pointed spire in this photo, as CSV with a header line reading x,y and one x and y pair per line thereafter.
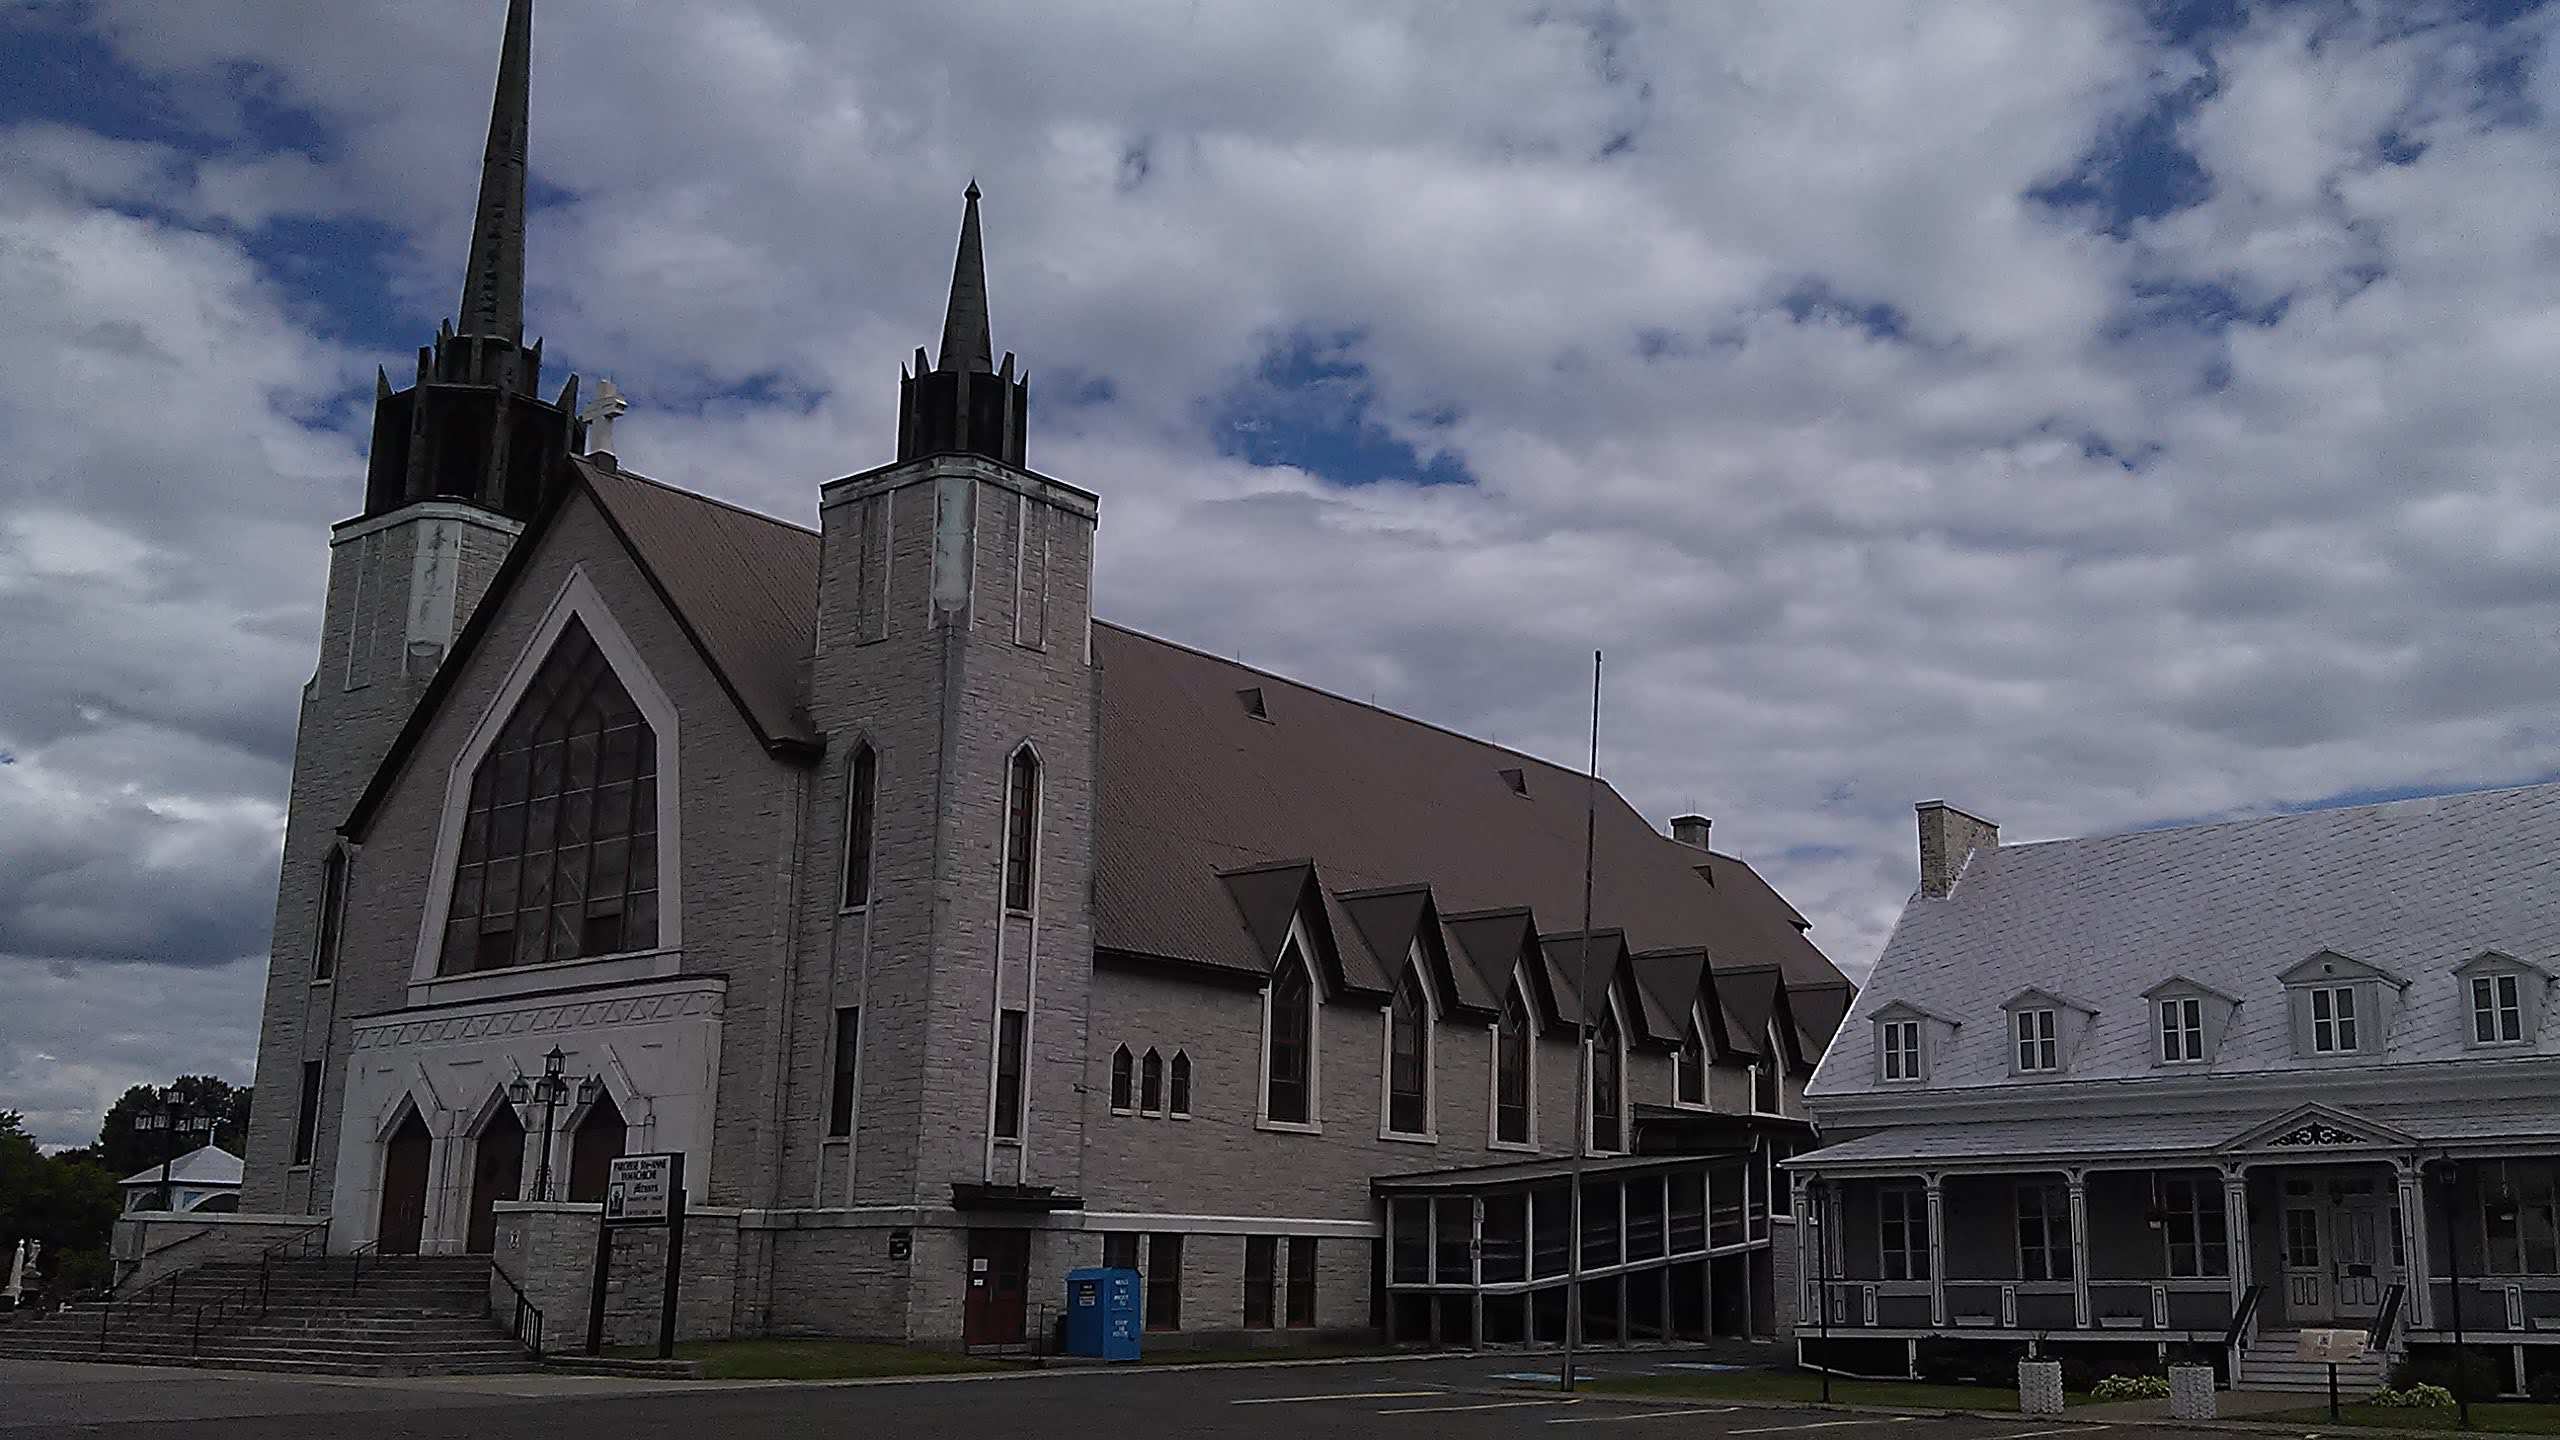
x,y
493,286
966,342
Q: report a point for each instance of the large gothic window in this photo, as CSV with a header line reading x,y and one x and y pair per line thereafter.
x,y
1607,1090
1285,1087
1409,1058
559,851
1021,827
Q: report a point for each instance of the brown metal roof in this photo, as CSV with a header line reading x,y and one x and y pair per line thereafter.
x,y
1201,800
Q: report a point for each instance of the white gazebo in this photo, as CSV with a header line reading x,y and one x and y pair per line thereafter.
x,y
206,1180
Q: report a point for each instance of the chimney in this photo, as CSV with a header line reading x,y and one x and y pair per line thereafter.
x,y
1948,837
1690,830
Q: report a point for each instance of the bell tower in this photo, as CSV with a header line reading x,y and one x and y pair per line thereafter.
x,y
954,610
462,460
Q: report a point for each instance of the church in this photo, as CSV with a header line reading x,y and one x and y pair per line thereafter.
x,y
956,937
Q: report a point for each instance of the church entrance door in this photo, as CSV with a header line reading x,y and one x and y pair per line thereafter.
x,y
497,1173
404,1187
999,1283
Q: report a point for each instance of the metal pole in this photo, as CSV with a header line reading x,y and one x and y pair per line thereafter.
x,y
1582,1035
542,1167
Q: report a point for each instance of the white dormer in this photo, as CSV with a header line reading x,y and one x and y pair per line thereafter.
x,y
2187,1021
1908,1042
2340,1006
2502,1000
2044,1029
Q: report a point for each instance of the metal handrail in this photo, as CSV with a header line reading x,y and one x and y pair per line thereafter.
x,y
136,1302
2241,1315
355,1281
2386,1319
532,1343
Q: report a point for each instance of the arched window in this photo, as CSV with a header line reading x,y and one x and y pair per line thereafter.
x,y
1021,828
1286,1096
1511,1073
862,779
1151,1083
592,1151
1692,1065
1121,1066
1409,1057
559,854
1607,1109
1178,1100
333,913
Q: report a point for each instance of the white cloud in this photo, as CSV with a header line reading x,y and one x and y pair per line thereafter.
x,y
1836,570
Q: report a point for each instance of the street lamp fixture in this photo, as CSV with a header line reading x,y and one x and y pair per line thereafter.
x,y
547,1090
170,1117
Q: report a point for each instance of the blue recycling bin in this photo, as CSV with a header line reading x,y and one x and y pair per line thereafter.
x,y
1103,1321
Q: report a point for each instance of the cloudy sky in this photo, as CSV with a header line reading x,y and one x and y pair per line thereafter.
x,y
2100,416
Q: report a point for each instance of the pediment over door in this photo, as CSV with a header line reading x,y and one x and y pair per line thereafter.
x,y
2310,1129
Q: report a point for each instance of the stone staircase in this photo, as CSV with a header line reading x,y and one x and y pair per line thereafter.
x,y
385,1315
2270,1364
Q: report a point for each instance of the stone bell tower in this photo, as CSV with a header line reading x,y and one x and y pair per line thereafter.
x,y
462,460
955,601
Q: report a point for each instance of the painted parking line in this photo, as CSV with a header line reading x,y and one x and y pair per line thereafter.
x,y
1641,1415
1488,1405
2064,1430
1341,1395
1826,1425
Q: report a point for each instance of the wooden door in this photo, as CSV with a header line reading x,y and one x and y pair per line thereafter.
x,y
2306,1269
497,1173
999,1284
2356,1240
404,1188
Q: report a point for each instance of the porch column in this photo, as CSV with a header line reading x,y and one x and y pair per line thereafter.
x,y
1475,1274
2078,1181
2418,1273
2236,1231
1937,1250
1805,1221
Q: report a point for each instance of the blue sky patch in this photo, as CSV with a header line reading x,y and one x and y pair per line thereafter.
x,y
1308,404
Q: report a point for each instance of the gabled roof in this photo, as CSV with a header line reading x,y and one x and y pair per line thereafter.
x,y
2412,888
2331,964
205,1165
1819,1010
1194,790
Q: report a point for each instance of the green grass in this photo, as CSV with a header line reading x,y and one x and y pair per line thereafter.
x,y
812,1359
2498,1417
1804,1387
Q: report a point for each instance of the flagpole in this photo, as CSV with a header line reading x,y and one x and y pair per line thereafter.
x,y
1582,1034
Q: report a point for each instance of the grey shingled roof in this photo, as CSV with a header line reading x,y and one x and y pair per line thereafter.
x,y
2415,886
2200,1133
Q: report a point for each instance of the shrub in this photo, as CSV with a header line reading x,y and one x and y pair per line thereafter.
x,y
2131,1387
1947,1360
2545,1385
2078,1375
2478,1374
2414,1397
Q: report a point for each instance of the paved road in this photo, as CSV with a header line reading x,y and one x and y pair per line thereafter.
x,y
1393,1400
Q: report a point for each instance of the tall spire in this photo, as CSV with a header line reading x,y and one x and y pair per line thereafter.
x,y
967,344
493,287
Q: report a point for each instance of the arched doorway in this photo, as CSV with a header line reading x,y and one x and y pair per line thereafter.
x,y
599,1140
404,1187
497,1173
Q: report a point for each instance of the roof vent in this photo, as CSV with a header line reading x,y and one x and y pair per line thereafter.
x,y
1251,695
1517,779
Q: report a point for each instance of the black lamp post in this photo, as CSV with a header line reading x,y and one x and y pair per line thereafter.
x,y
2451,1171
171,1117
547,1090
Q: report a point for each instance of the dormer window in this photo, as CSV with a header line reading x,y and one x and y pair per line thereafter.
x,y
2497,1009
2181,1030
1900,1040
2341,1006
2502,999
2333,1020
2039,1048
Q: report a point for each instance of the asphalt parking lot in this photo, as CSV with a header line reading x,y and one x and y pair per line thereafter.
x,y
1404,1399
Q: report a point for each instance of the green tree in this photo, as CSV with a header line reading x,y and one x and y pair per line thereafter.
x,y
123,1150
66,1202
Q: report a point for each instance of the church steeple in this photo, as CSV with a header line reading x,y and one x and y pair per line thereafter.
x,y
493,288
474,427
964,401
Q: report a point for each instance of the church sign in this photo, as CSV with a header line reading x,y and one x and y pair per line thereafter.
x,y
640,1189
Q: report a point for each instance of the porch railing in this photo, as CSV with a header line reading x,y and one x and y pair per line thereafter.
x,y
2386,1318
2242,1316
